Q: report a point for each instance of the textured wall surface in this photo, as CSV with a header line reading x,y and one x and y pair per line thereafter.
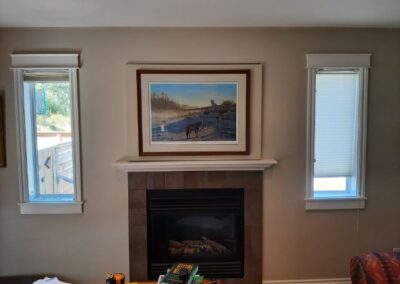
x,y
296,244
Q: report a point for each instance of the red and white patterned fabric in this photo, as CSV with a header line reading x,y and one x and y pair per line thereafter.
x,y
376,268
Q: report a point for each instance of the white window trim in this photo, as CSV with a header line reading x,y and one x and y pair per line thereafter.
x,y
315,61
21,62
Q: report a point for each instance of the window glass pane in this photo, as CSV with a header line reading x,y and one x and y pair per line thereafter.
x,y
330,184
48,120
336,119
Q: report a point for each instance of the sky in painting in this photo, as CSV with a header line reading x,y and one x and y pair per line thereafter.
x,y
195,94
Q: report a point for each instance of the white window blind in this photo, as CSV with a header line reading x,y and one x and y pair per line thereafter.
x,y
46,75
336,122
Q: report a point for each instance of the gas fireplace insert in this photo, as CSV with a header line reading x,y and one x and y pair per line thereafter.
x,y
203,226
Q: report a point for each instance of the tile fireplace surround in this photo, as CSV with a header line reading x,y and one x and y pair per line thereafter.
x,y
250,181
196,175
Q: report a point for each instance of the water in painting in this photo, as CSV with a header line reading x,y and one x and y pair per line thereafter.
x,y
194,112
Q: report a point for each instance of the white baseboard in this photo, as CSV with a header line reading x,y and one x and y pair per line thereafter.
x,y
313,281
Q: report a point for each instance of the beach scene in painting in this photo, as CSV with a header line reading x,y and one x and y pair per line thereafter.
x,y
193,112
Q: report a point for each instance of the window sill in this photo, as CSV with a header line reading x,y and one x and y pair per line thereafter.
x,y
335,203
51,208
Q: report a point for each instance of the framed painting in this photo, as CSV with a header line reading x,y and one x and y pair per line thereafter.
x,y
3,162
193,112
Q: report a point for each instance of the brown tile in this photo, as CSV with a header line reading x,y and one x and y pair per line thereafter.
x,y
139,233
138,270
194,180
138,199
216,179
253,217
136,181
139,249
248,178
137,238
138,216
138,253
155,180
174,180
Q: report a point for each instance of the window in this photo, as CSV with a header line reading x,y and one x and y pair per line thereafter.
x,y
336,130
48,133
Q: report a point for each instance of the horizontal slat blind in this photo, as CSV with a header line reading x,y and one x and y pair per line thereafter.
x,y
46,75
336,98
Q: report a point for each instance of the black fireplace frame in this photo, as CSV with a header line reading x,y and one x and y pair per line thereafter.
x,y
213,199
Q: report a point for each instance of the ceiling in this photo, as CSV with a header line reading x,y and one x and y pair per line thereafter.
x,y
199,13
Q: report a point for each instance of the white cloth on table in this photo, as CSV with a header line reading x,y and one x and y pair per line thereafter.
x,y
48,280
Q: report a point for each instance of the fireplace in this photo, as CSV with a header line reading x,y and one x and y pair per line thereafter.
x,y
172,200
199,226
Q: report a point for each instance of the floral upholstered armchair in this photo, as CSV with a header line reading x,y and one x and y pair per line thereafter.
x,y
375,268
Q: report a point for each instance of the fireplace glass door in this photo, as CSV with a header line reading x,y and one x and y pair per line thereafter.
x,y
197,226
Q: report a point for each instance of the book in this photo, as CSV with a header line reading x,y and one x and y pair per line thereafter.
x,y
180,273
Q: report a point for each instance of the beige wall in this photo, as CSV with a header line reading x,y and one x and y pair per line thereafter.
x,y
297,244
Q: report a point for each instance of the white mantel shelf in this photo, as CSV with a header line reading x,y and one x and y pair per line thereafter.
x,y
190,166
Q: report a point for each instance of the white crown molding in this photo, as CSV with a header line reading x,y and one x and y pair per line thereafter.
x,y
182,166
309,281
42,60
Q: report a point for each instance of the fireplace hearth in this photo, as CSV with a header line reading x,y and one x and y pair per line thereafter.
x,y
199,226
